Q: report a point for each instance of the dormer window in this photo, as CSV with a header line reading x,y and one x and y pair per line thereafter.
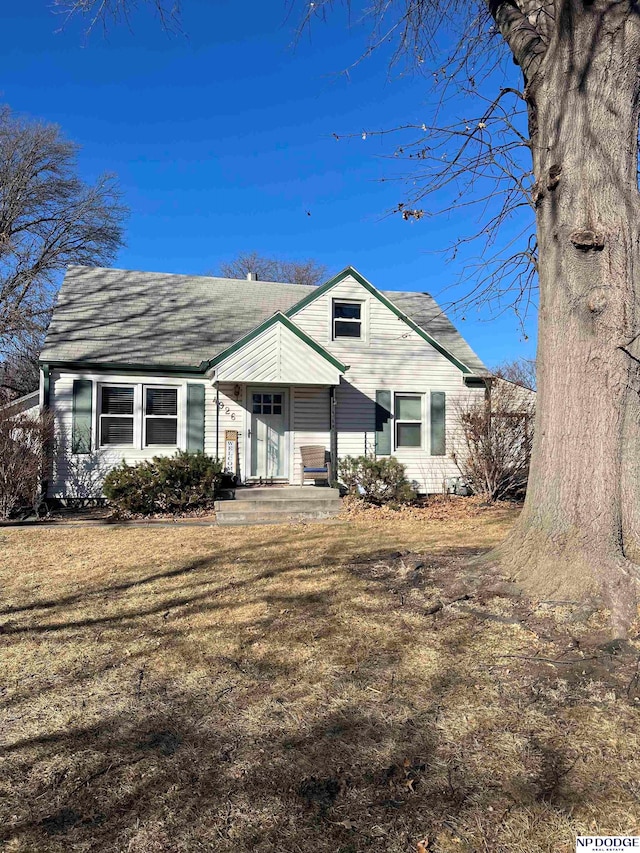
x,y
347,319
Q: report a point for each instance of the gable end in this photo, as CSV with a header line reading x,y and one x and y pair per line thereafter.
x,y
350,271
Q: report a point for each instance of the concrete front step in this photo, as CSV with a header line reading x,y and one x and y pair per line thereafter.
x,y
230,519
284,493
269,505
274,505
278,505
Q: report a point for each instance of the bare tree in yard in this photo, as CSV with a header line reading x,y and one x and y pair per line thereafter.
x,y
495,436
49,218
103,12
522,371
578,85
578,81
273,269
20,372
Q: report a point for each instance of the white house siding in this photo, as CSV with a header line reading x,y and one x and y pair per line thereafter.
x,y
81,475
231,416
390,356
311,421
28,405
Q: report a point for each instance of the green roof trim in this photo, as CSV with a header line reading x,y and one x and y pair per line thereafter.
x,y
278,317
351,271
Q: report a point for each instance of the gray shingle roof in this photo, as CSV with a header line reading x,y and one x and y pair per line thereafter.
x,y
143,318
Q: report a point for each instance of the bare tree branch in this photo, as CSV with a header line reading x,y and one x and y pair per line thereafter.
x,y
520,34
106,12
49,218
308,272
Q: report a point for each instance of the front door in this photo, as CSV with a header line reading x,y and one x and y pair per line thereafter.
x,y
268,434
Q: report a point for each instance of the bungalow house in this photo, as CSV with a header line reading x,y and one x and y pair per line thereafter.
x,y
137,364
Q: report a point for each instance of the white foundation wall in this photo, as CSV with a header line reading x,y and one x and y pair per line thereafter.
x,y
390,356
80,475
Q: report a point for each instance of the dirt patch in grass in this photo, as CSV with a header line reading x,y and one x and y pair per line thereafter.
x,y
349,686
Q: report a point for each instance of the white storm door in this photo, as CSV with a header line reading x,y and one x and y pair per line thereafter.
x,y
268,433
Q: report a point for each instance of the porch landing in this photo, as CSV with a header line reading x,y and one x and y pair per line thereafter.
x,y
278,504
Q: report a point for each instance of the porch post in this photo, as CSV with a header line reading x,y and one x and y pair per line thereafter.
x,y
333,437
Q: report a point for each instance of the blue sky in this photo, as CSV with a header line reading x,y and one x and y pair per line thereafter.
x,y
222,142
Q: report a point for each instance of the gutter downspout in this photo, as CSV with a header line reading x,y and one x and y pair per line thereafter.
x,y
48,448
217,421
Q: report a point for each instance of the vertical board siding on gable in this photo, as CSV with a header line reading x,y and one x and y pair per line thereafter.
x,y
311,421
391,357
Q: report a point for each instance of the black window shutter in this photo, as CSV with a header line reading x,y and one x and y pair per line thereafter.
x,y
438,423
383,423
81,416
195,417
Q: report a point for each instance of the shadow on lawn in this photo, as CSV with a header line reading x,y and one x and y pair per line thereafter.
x,y
211,725
195,772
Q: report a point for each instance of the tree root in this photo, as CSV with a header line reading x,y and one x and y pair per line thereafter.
x,y
568,569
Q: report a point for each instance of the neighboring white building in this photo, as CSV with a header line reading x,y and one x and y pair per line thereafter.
x,y
140,364
29,404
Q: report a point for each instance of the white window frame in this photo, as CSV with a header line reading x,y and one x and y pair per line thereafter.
x,y
397,421
102,414
155,386
334,319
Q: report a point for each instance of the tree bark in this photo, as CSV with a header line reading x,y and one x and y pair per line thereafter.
x,y
579,531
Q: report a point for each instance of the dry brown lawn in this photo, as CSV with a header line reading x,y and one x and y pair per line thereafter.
x,y
302,689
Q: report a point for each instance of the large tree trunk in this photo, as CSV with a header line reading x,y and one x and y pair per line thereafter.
x,y
579,532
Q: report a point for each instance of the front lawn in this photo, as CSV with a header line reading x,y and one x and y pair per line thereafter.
x,y
343,686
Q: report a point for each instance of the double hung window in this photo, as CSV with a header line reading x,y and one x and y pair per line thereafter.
x,y
131,414
408,418
160,416
116,414
347,320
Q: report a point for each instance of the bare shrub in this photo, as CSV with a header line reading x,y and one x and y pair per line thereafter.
x,y
23,443
495,439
